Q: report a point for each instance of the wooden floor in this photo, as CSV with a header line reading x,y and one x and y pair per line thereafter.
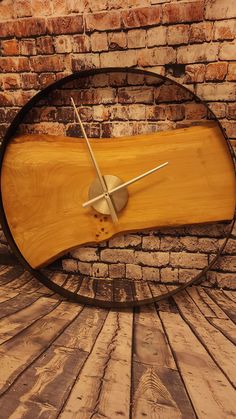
x,y
175,359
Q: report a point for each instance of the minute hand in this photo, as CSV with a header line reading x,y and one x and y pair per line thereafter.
x,y
123,185
101,180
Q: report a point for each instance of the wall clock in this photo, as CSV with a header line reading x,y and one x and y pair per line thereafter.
x,y
65,193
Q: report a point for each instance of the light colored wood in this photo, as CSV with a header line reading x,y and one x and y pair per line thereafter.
x,y
45,179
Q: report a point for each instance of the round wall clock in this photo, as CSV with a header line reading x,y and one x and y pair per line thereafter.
x,y
117,187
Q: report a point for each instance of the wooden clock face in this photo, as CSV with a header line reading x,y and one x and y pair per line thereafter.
x,y
172,223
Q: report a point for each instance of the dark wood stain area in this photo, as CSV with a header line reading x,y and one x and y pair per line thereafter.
x,y
59,359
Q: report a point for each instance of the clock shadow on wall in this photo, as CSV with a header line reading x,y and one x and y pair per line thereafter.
x,y
146,264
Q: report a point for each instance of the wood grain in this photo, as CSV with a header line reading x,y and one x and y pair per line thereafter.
x,y
45,179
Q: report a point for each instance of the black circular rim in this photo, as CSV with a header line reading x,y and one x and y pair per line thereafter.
x,y
39,274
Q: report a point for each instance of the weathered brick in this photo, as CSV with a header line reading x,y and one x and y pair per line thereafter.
x,y
227,51
63,44
218,9
11,81
217,91
216,71
99,80
28,47
22,8
226,263
135,95
117,270
136,38
7,12
44,45
26,28
99,270
222,279
46,78
103,21
143,16
85,254
150,274
60,7
156,56
43,63
132,240
117,241
197,53
41,8
29,81
137,3
133,271
6,99
10,47
117,40
172,93
85,61
185,275
200,32
230,127
81,43
168,275
84,268
224,30
188,260
231,72
99,41
70,265
219,109
101,113
118,58
61,25
7,29
151,243
178,34
194,111
156,36
115,255
175,112
152,258
136,112
195,73
156,112
15,64
231,112
183,12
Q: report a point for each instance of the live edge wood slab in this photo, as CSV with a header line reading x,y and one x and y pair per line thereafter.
x,y
174,359
45,179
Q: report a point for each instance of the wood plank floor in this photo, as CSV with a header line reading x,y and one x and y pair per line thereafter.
x,y
58,359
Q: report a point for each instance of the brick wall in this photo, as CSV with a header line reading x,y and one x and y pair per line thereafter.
x,y
190,41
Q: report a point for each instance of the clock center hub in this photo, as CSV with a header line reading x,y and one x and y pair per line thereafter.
x,y
119,198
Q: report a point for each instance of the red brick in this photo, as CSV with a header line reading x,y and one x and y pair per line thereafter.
x,y
46,78
216,71
231,111
200,32
178,34
27,47
225,30
156,36
15,64
195,73
81,43
65,24
136,38
197,53
227,51
99,41
43,63
103,21
119,58
218,9
41,8
219,109
175,112
7,12
44,45
10,47
7,28
156,56
11,81
183,12
230,127
144,16
117,40
30,27
22,8
29,81
155,113
7,99
135,95
194,111
172,93
85,61
231,72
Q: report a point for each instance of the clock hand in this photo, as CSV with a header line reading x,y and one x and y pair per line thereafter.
x,y
101,180
123,185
